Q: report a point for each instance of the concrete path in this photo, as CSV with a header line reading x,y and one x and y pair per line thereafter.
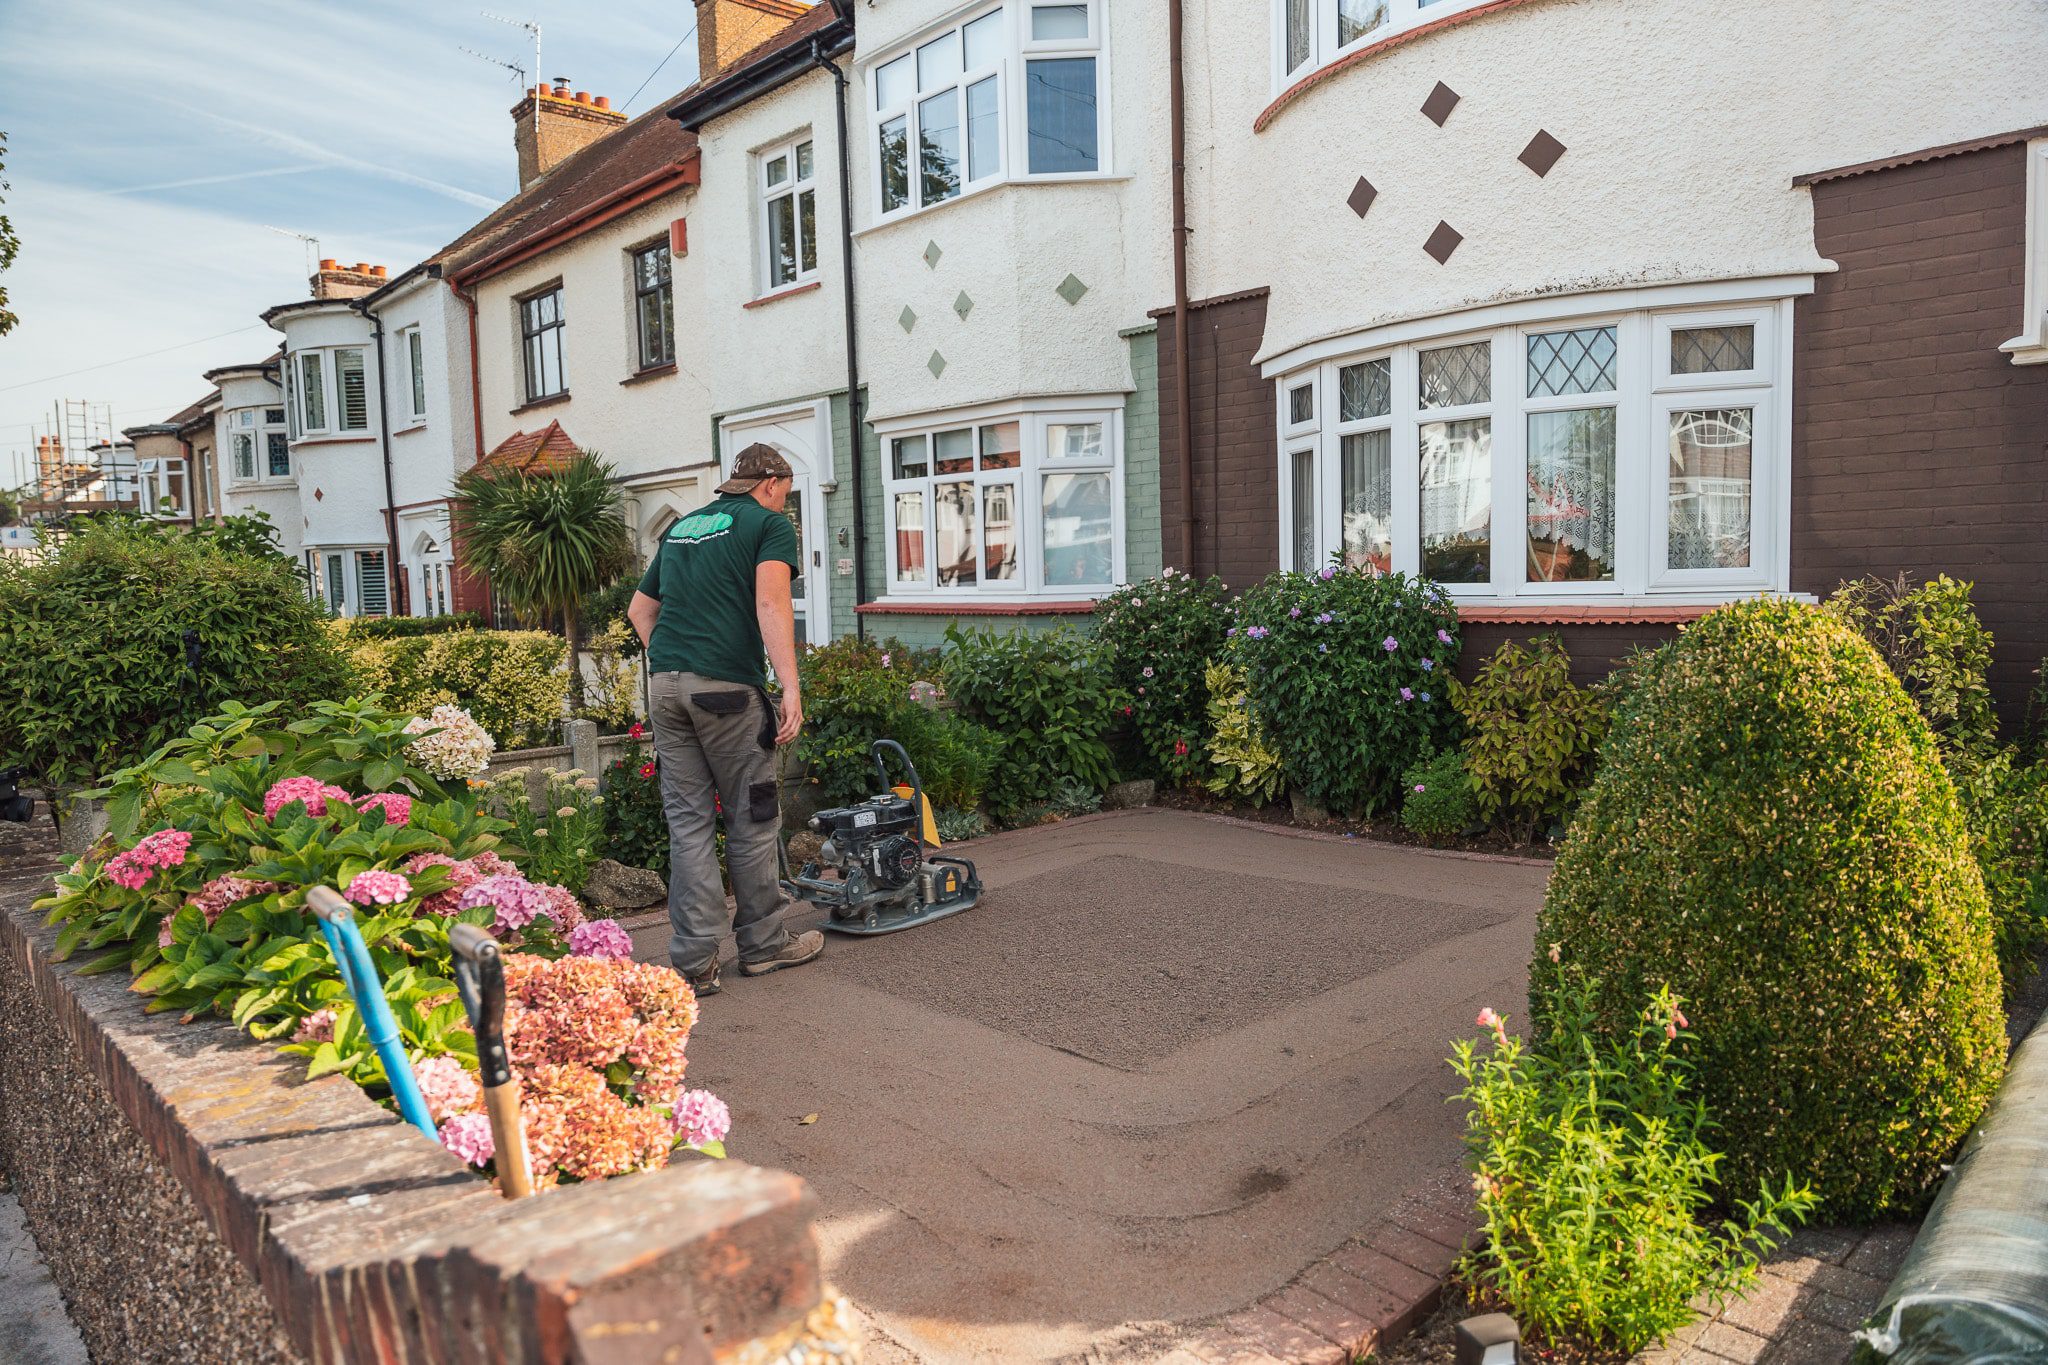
x,y
34,1329
1167,1063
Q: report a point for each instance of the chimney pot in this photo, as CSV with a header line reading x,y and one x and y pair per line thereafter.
x,y
362,267
328,263
379,271
561,92
603,101
583,97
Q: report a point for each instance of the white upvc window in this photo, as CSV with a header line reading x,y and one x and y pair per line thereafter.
x,y
328,391
1006,503
2030,347
350,580
413,357
789,216
541,332
1013,92
259,447
1308,34
1604,455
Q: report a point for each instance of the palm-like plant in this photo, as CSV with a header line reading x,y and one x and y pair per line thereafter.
x,y
546,539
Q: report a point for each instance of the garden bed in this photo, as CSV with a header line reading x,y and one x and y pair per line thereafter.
x,y
1494,841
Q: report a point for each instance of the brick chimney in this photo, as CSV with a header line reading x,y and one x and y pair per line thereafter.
x,y
551,124
334,280
729,29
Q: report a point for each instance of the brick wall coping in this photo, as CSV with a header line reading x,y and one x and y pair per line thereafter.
x,y
1892,163
374,1244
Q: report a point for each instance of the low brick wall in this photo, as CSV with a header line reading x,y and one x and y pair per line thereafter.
x,y
198,1199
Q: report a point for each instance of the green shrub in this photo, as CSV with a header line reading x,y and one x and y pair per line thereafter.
x,y
404,627
94,663
1048,696
1158,637
558,840
1072,796
1772,836
1349,675
1438,801
858,691
957,826
634,823
1591,1159
512,681
1245,768
1530,734
1931,638
2005,805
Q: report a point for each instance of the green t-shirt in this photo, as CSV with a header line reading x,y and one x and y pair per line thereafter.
x,y
703,575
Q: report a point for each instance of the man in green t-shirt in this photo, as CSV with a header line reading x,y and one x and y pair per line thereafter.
x,y
714,599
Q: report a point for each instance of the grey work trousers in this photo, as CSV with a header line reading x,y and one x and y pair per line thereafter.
x,y
707,734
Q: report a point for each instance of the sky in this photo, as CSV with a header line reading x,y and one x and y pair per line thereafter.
x,y
153,144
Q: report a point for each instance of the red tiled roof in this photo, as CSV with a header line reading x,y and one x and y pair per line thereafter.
x,y
547,451
636,152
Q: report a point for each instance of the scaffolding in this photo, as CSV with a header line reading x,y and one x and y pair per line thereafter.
x,y
82,462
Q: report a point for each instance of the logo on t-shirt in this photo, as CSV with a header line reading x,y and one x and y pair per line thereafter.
x,y
701,526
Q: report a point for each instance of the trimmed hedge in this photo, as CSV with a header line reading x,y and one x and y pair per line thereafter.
x,y
1771,834
404,627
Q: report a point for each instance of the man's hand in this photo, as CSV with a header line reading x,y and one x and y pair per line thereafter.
x,y
643,611
792,717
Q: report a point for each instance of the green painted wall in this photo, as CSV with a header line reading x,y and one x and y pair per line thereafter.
x,y
1141,458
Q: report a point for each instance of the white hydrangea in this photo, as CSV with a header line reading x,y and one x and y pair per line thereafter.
x,y
460,749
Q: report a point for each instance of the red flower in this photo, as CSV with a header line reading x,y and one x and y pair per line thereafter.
x,y
1127,710
1180,747
646,770
634,731
717,806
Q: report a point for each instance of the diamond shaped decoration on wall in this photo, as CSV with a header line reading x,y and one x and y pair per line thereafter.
x,y
932,254
1443,242
1441,101
906,319
318,495
937,364
1071,289
963,305
1362,195
1541,153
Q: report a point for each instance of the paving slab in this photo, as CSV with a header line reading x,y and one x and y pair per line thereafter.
x,y
1169,1062
34,1328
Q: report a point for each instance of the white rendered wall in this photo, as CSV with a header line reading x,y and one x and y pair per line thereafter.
x,y
1684,121
277,498
340,478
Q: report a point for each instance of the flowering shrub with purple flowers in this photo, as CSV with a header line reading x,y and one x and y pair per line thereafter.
x,y
1159,636
1347,674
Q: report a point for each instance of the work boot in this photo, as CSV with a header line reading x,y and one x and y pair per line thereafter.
x,y
800,949
705,983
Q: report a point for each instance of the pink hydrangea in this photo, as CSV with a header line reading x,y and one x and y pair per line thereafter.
x,y
377,887
600,938
448,1087
317,1027
700,1117
517,900
311,790
218,894
165,848
164,938
469,1137
397,808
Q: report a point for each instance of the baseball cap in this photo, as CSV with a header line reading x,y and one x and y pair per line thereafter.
x,y
757,462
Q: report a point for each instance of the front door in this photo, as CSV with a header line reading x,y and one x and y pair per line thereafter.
x,y
799,435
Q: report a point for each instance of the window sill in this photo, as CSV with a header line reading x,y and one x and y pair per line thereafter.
x,y
789,292
2027,350
1582,614
1372,50
922,607
1070,178
351,439
410,429
651,372
550,401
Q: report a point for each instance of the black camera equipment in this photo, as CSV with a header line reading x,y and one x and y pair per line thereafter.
x,y
13,805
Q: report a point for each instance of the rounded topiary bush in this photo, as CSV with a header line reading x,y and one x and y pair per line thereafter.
x,y
1772,835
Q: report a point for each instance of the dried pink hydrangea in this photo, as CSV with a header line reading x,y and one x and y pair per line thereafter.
x,y
469,1137
317,1027
165,848
378,887
563,908
448,1087
700,1117
220,893
517,901
397,807
600,938
311,790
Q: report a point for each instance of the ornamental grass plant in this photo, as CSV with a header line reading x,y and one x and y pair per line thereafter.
x,y
1771,834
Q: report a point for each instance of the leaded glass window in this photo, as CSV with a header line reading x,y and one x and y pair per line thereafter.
x,y
1579,361
1456,376
1713,350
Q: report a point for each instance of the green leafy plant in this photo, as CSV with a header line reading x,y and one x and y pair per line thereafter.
x,y
1049,696
512,681
2005,807
404,627
957,826
546,540
1931,638
1072,796
1158,636
1531,734
859,691
1245,768
611,684
1349,675
1594,1173
10,246
127,633
635,828
1771,834
559,839
1438,800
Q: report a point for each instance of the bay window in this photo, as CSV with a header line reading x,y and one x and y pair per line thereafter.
x,y
328,392
257,445
1012,92
1308,34
351,582
1004,503
789,199
1606,455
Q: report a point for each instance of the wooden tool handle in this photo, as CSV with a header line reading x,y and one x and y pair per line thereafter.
x,y
508,1138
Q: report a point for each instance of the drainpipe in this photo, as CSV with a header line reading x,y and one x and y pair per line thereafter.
x,y
395,573
476,390
1183,405
853,405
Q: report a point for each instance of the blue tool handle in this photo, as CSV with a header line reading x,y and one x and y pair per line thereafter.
x,y
359,974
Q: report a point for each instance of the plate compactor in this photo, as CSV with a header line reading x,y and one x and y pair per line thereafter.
x,y
884,871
